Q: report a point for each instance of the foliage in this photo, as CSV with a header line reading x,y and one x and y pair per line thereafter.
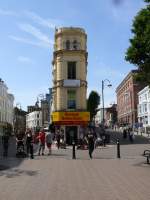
x,y
92,103
139,51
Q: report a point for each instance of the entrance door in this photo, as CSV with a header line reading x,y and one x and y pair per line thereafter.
x,y
71,134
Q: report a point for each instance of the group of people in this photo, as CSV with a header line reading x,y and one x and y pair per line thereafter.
x,y
128,132
44,137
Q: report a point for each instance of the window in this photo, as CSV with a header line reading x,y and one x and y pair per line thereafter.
x,y
71,99
71,70
145,107
75,45
68,44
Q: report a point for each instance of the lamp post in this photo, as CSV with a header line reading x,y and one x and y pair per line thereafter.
x,y
109,85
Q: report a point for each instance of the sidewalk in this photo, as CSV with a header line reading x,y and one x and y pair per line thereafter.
x,y
58,177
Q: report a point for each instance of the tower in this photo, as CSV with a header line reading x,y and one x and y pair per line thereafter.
x,y
69,81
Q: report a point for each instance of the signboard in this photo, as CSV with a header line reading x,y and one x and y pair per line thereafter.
x,y
70,117
71,83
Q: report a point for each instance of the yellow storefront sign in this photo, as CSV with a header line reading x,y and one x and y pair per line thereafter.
x,y
70,116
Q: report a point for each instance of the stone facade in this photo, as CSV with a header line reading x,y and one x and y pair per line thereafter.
x,y
74,52
69,82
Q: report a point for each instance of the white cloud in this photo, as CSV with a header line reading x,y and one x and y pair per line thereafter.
x,y
27,41
25,59
8,12
43,38
49,23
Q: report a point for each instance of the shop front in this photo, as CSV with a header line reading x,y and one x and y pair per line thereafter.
x,y
70,123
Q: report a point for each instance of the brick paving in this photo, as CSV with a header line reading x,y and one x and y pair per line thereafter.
x,y
59,177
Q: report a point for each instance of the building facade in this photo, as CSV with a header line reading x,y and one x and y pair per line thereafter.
x,y
45,112
111,116
69,108
19,124
99,116
6,108
34,120
127,99
144,107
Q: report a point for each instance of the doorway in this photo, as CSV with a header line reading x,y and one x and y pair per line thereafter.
x,y
71,134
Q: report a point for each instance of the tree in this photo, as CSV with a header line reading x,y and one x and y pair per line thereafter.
x,y
139,51
92,103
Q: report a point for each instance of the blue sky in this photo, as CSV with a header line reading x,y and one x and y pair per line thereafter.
x,y
26,42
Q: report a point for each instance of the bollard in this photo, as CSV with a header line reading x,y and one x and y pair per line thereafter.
x,y
118,149
73,150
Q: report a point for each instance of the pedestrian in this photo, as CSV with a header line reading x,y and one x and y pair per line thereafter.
x,y
124,133
58,136
29,143
41,138
131,135
90,138
48,139
5,142
20,140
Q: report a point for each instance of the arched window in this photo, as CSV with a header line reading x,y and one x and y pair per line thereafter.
x,y
67,44
75,45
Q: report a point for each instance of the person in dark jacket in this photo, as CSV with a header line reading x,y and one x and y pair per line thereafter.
x,y
58,137
5,142
90,138
124,133
29,143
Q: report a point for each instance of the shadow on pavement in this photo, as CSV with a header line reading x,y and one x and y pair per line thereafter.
x,y
142,164
11,161
137,140
11,173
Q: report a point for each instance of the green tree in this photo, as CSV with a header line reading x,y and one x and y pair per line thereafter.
x,y
138,52
92,103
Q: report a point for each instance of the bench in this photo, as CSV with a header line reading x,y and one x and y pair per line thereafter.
x,y
147,155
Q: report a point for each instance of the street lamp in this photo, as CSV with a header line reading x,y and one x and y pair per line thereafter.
x,y
109,85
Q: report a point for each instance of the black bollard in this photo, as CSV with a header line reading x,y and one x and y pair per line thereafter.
x,y
73,150
118,148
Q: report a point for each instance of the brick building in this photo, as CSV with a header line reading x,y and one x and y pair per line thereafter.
x,y
127,99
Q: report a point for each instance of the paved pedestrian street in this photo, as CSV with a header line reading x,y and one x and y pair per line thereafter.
x,y
59,177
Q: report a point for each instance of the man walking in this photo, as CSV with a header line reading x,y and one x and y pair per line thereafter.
x,y
90,138
29,143
41,138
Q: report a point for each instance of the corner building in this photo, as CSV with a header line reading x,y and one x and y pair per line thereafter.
x,y
69,82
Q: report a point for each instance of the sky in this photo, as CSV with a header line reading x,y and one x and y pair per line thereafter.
x,y
27,36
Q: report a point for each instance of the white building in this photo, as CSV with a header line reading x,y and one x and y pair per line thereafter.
x,y
99,116
34,120
144,107
6,107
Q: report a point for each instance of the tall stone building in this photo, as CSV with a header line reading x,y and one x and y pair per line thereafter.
x,y
69,82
